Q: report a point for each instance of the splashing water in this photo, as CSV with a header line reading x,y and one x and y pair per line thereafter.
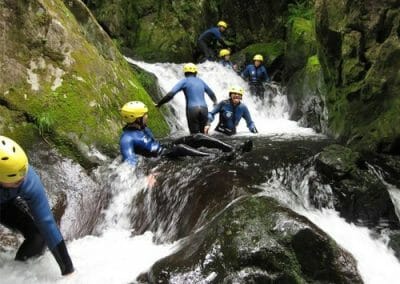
x,y
375,261
113,255
271,115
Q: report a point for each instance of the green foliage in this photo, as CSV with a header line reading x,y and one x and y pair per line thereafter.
x,y
44,123
300,9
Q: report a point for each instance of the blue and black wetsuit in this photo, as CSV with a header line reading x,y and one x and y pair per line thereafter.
x,y
256,76
226,63
140,141
207,41
36,222
230,116
196,106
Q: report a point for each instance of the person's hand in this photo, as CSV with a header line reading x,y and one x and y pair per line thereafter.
x,y
206,129
254,130
151,180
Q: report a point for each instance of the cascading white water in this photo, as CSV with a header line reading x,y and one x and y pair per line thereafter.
x,y
270,115
375,261
113,255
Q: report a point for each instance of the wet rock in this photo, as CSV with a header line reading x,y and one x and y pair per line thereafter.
x,y
360,195
255,240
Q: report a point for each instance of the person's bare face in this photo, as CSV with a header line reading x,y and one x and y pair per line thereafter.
x,y
257,63
236,98
11,184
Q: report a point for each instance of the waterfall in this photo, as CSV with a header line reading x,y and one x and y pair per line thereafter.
x,y
291,187
269,115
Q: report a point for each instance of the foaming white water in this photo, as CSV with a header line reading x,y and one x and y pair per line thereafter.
x,y
114,255
270,115
376,262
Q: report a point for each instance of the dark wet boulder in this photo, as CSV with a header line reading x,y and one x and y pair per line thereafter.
x,y
255,240
360,195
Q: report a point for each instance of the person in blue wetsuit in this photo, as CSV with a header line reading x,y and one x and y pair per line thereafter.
x,y
196,106
256,74
231,112
208,39
225,54
137,138
21,186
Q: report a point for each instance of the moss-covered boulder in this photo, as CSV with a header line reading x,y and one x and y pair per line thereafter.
x,y
255,240
359,50
63,78
306,89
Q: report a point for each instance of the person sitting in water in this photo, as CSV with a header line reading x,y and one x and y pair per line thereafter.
x,y
207,40
225,55
231,112
137,138
21,186
196,106
256,74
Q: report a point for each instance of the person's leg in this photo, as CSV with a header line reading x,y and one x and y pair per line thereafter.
x,y
202,118
192,116
201,140
15,217
207,51
260,91
181,150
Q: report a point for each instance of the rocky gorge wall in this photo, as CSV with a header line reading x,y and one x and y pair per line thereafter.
x,y
62,79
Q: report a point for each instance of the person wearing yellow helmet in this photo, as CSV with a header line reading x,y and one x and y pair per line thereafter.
x,y
256,74
208,39
20,184
137,138
225,55
196,107
231,111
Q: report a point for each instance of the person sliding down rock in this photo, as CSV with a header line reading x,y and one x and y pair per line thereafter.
x,y
20,186
137,138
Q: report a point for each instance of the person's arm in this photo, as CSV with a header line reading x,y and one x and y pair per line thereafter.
x,y
245,74
265,75
127,149
250,124
169,96
210,93
32,191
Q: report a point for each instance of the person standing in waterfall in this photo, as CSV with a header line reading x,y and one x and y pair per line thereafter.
x,y
196,106
256,74
206,42
24,207
225,61
137,138
231,111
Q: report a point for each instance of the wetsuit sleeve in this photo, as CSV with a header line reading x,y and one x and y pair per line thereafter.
x,y
265,75
127,149
210,93
249,121
169,96
32,191
213,112
245,74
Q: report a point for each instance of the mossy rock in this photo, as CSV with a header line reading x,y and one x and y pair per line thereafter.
x,y
255,239
73,99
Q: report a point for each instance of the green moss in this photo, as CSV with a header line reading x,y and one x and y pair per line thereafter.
x,y
270,51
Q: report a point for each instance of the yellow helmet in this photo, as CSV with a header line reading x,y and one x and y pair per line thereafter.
x,y
13,161
189,68
222,24
236,90
258,57
224,52
133,110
